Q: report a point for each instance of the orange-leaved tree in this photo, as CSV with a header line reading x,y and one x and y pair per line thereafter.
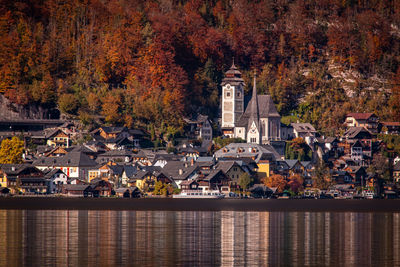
x,y
276,180
296,183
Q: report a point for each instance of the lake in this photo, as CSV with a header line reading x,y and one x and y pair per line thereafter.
x,y
198,238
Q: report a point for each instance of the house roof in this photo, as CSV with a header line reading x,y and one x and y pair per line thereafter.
x,y
212,174
49,173
291,162
225,166
72,159
173,168
117,153
360,116
130,170
246,150
14,169
121,190
197,118
306,163
54,133
303,127
352,132
75,187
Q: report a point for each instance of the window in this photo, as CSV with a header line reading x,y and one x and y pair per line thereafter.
x,y
238,94
228,94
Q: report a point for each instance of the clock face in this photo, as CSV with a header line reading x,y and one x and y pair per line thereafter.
x,y
253,130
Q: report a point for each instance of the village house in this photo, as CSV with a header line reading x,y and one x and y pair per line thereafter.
x,y
199,127
305,131
118,137
215,180
232,169
55,178
367,120
76,190
75,164
58,138
358,144
144,157
145,179
23,177
180,171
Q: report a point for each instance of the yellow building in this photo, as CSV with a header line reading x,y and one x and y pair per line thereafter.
x,y
263,169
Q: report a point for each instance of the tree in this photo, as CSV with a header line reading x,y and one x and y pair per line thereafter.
x,y
298,149
245,180
321,177
11,151
295,183
380,166
276,180
68,103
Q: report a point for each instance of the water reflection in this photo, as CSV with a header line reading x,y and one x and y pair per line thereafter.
x,y
227,238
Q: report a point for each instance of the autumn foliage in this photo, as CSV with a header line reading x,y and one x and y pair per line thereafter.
x,y
150,62
276,180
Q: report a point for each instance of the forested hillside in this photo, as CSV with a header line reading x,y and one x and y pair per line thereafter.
x,y
154,61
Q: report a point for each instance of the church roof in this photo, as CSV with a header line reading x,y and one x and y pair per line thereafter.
x,y
266,107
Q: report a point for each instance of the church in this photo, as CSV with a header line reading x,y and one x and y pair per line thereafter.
x,y
255,120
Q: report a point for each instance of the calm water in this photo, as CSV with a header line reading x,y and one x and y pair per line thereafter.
x,y
227,238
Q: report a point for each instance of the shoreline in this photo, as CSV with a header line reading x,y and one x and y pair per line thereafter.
x,y
167,204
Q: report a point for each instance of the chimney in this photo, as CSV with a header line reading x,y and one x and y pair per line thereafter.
x,y
192,162
180,171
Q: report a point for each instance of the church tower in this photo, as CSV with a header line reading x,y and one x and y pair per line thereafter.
x,y
253,126
232,100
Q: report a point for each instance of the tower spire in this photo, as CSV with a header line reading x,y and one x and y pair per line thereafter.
x,y
254,116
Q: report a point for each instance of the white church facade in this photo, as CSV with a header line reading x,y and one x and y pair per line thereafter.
x,y
256,121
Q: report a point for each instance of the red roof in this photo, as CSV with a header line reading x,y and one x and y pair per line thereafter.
x,y
391,123
360,116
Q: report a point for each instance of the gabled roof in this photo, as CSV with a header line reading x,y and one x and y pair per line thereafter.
x,y
360,116
353,132
76,187
213,174
225,166
130,170
72,159
246,150
49,173
303,127
173,169
14,169
291,162
117,153
306,164
266,108
197,118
